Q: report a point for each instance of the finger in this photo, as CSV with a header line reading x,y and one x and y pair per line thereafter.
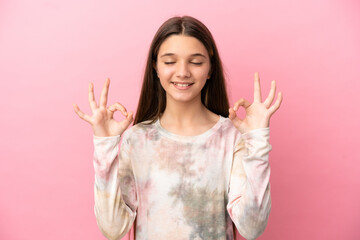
x,y
92,102
104,93
234,118
242,102
276,105
232,114
118,106
81,114
127,121
257,90
130,116
271,95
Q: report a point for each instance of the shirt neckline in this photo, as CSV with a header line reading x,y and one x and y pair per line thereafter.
x,y
174,136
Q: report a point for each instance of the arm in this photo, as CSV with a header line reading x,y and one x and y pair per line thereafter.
x,y
114,188
249,189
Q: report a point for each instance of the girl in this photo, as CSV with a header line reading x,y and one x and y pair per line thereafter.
x,y
189,167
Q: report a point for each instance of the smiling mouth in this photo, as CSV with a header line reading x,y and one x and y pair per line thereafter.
x,y
182,84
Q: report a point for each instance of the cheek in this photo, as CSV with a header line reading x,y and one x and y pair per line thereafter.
x,y
202,73
165,72
165,75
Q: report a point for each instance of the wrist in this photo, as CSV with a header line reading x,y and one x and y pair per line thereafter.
x,y
100,132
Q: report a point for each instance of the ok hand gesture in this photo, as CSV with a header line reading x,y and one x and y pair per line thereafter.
x,y
258,113
102,121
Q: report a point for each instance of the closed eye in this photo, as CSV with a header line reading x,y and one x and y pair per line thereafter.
x,y
196,63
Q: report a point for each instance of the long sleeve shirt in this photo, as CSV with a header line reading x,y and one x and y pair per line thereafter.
x,y
182,187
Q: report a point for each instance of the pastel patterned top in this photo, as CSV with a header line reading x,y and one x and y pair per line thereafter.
x,y
182,187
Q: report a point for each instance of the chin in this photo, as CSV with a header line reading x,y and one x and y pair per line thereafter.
x,y
184,99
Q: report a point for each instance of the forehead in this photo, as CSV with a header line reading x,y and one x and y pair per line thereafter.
x,y
182,45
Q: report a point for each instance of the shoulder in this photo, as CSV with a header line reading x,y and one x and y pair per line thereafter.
x,y
228,127
140,131
228,130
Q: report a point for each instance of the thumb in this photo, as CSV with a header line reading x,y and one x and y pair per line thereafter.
x,y
124,124
232,114
129,116
234,118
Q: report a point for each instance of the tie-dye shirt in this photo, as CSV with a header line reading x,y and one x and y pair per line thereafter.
x,y
183,187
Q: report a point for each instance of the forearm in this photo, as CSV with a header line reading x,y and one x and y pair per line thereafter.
x,y
250,218
249,196
113,216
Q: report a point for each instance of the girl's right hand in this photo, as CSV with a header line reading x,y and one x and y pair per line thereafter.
x,y
102,121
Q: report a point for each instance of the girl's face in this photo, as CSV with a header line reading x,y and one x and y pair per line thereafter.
x,y
183,67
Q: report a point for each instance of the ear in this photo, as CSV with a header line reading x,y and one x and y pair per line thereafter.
x,y
154,66
209,74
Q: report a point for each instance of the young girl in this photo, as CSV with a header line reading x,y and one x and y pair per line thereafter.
x,y
188,168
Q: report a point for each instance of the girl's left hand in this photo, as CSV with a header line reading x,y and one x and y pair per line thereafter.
x,y
257,113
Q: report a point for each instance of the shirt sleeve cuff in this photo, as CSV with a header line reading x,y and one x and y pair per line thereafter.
x,y
106,141
258,132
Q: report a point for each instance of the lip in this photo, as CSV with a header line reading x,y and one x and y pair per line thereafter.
x,y
180,87
183,82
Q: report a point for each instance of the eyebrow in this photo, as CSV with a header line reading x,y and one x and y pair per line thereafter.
x,y
193,55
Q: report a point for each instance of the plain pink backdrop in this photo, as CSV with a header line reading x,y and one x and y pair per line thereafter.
x,y
51,50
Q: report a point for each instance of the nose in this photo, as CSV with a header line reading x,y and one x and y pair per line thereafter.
x,y
183,70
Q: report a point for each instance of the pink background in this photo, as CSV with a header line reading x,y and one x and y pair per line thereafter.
x,y
51,50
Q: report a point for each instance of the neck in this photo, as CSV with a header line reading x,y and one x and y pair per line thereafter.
x,y
187,118
184,113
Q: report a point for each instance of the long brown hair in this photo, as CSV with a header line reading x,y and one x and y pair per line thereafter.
x,y
152,100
